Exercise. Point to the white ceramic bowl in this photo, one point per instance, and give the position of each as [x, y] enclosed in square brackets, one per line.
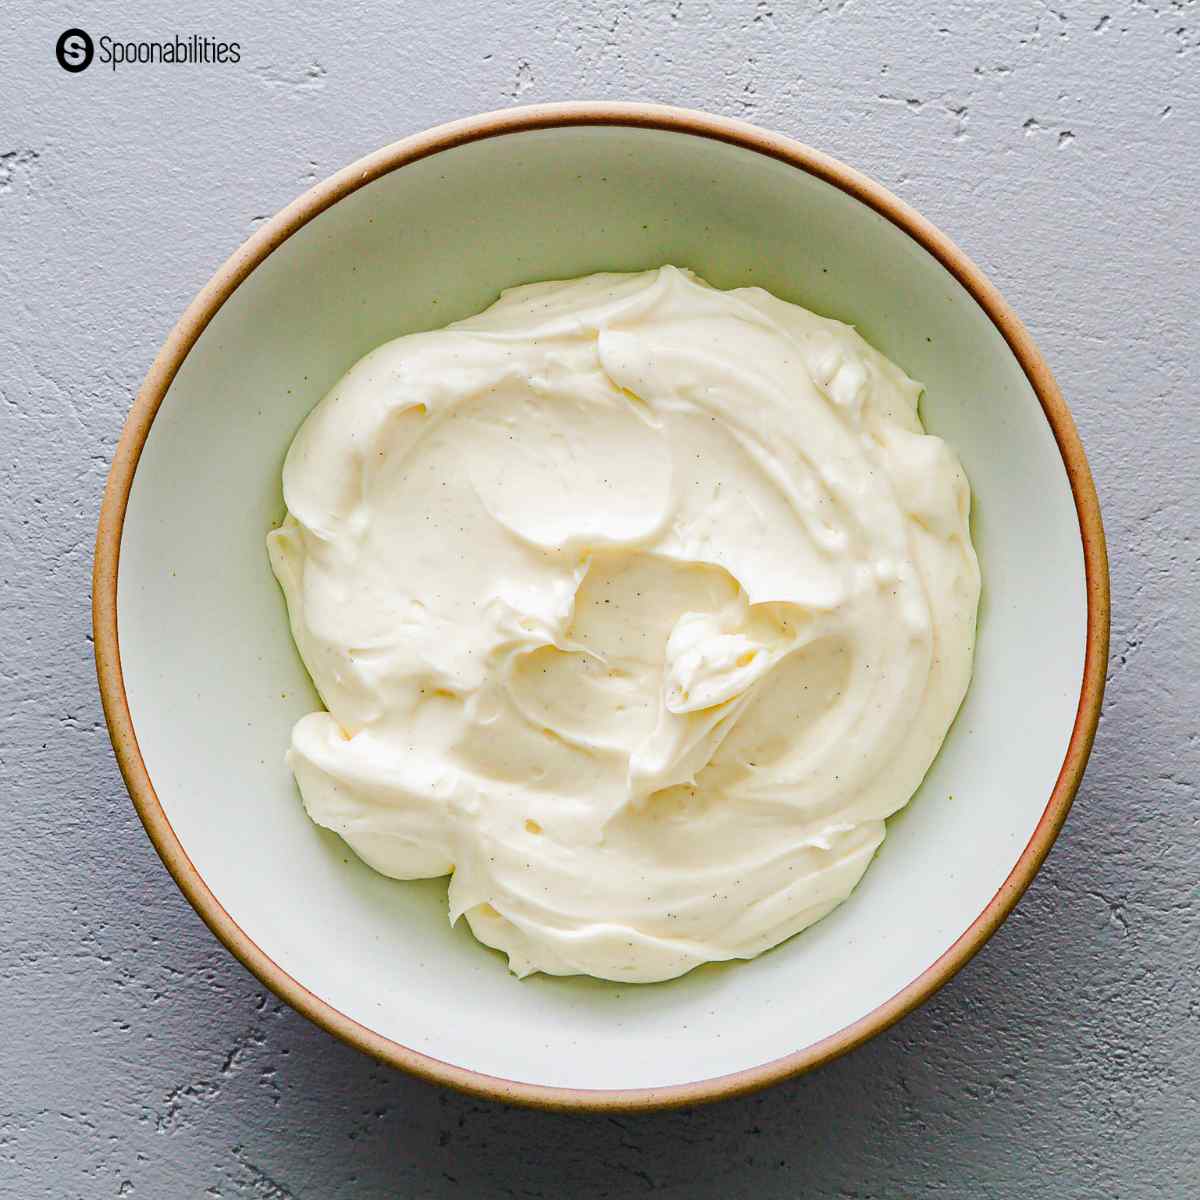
[201, 683]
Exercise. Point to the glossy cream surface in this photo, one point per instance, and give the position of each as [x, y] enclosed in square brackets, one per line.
[636, 607]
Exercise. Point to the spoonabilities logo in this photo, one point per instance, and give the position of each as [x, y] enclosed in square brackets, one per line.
[74, 50]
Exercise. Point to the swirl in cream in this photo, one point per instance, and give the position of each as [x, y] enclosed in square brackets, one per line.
[636, 607]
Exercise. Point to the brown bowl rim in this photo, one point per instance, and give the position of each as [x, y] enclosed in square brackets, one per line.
[516, 120]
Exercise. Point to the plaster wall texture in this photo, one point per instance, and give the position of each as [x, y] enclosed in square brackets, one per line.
[1056, 142]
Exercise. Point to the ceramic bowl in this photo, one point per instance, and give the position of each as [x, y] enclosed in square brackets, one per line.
[201, 682]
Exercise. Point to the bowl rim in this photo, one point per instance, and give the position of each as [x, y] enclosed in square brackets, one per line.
[274, 233]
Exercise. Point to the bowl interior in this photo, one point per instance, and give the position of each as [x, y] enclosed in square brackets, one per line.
[214, 682]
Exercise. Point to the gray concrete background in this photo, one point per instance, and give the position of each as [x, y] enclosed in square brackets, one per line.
[1058, 143]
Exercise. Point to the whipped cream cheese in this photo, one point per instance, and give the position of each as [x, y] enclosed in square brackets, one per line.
[636, 607]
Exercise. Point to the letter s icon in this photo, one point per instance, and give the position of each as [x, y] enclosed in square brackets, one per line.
[74, 50]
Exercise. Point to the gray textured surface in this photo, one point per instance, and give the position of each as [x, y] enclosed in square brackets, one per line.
[1056, 143]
